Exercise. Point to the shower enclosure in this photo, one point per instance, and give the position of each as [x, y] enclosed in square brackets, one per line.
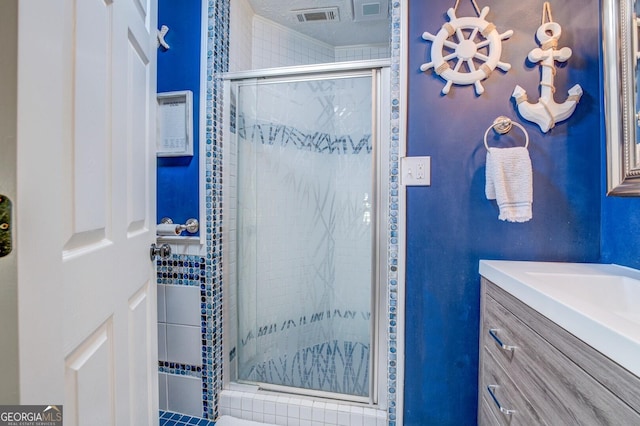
[305, 154]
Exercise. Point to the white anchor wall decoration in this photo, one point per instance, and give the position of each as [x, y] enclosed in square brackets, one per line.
[546, 112]
[467, 50]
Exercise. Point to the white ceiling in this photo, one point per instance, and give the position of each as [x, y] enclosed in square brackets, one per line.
[345, 32]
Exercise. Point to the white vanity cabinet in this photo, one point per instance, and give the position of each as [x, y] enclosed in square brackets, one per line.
[534, 372]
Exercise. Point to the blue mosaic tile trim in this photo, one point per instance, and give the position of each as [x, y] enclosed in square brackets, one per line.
[281, 135]
[394, 188]
[181, 270]
[167, 418]
[180, 369]
[217, 63]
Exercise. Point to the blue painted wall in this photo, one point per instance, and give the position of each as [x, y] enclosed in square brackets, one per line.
[451, 225]
[621, 230]
[179, 69]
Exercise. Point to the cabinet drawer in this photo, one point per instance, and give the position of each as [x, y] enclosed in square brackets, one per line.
[611, 375]
[560, 390]
[500, 391]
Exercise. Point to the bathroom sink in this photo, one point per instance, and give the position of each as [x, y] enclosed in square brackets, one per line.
[598, 303]
[616, 293]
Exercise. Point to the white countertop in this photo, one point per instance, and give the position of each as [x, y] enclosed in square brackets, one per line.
[598, 303]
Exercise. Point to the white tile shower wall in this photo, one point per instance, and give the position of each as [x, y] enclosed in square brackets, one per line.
[184, 344]
[230, 180]
[274, 45]
[184, 395]
[362, 52]
[179, 334]
[183, 305]
[162, 312]
[277, 46]
[179, 321]
[284, 410]
[180, 326]
[162, 388]
[240, 35]
[162, 341]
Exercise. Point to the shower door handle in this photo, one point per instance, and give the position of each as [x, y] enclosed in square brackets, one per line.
[5, 226]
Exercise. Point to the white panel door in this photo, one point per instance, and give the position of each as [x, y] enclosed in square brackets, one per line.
[86, 209]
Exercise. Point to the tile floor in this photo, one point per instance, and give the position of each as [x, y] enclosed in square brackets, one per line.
[167, 418]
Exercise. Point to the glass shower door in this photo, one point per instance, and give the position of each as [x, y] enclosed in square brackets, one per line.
[306, 226]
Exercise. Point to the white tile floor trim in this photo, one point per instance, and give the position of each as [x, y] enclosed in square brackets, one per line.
[232, 421]
[296, 411]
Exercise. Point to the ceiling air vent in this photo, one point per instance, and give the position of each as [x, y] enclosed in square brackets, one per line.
[317, 15]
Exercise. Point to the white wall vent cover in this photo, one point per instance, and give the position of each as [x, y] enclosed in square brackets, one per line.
[370, 10]
[319, 14]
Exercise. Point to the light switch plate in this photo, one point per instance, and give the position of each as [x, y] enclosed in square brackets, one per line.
[416, 171]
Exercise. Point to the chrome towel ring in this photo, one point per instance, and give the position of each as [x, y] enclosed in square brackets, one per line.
[503, 125]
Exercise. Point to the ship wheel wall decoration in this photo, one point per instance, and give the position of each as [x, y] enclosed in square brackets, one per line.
[466, 50]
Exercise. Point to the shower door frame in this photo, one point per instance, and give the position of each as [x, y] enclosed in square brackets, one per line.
[379, 71]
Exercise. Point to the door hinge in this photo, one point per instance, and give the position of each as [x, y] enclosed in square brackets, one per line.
[5, 226]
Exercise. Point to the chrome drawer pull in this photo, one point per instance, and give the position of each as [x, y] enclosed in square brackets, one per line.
[493, 333]
[493, 396]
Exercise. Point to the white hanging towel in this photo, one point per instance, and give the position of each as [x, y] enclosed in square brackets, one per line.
[510, 182]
